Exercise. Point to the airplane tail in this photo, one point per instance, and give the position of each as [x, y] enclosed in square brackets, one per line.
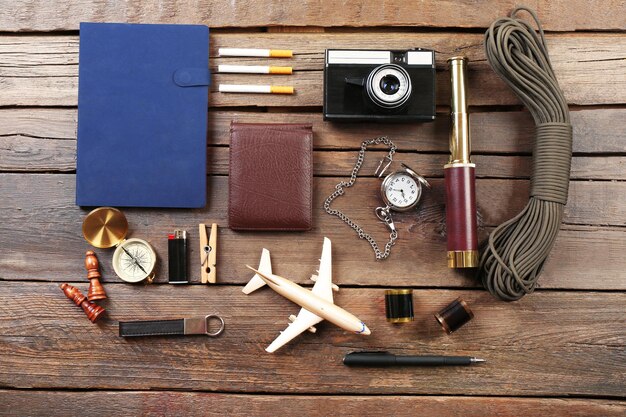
[265, 266]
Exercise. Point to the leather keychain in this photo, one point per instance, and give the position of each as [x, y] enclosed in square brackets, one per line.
[177, 327]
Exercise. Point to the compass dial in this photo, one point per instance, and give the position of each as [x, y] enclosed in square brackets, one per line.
[134, 260]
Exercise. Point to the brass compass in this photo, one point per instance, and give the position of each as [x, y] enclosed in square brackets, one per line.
[134, 259]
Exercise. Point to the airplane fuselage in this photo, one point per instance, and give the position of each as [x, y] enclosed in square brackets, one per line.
[315, 304]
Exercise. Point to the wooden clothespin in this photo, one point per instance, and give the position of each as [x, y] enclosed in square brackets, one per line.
[208, 253]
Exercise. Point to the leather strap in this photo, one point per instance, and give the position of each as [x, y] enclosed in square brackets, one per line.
[178, 327]
[152, 328]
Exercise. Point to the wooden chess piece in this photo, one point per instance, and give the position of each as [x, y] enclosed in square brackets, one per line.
[93, 311]
[96, 290]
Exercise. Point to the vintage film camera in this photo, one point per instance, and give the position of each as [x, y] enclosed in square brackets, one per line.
[379, 85]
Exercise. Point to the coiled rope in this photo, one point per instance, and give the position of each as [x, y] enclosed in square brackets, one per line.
[516, 250]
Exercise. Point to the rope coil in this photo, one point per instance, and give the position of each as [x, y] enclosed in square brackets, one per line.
[517, 249]
[552, 158]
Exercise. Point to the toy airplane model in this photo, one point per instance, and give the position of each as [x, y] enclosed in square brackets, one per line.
[317, 304]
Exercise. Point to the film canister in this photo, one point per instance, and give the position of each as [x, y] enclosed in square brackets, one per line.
[399, 306]
[454, 315]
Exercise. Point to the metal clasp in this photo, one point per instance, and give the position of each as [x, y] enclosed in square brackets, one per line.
[385, 216]
[379, 172]
[201, 325]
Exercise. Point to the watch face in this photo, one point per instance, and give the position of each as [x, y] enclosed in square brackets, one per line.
[401, 190]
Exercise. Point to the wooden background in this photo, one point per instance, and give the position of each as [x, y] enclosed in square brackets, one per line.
[557, 352]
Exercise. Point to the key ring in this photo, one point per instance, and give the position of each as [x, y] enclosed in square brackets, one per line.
[218, 331]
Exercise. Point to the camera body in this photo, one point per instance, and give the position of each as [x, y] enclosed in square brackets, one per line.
[379, 85]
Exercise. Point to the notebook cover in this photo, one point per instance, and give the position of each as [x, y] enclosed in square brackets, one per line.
[142, 115]
[270, 177]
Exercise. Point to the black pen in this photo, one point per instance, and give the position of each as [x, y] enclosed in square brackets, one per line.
[389, 359]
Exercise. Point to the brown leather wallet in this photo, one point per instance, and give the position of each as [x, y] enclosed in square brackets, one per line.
[270, 184]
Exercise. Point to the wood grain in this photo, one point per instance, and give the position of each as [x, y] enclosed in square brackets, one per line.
[24, 154]
[26, 403]
[43, 70]
[553, 343]
[44, 140]
[39, 217]
[502, 132]
[586, 353]
[29, 15]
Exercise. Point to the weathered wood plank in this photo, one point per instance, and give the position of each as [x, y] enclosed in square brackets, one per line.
[38, 70]
[574, 65]
[39, 217]
[430, 165]
[595, 130]
[34, 140]
[27, 15]
[28, 154]
[25, 154]
[45, 336]
[590, 202]
[549, 344]
[25, 403]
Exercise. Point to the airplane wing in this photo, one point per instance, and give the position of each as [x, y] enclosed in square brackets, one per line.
[303, 322]
[324, 282]
[265, 266]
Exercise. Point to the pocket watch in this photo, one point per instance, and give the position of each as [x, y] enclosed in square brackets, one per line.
[402, 190]
[134, 259]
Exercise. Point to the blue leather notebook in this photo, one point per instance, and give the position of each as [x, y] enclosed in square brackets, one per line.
[142, 115]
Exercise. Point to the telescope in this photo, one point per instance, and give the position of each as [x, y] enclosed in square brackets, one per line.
[459, 175]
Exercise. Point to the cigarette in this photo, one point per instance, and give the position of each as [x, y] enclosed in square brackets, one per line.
[254, 69]
[263, 89]
[272, 53]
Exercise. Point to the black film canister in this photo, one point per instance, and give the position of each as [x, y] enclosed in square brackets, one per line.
[399, 306]
[454, 315]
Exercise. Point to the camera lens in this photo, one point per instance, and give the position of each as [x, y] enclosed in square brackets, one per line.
[389, 84]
